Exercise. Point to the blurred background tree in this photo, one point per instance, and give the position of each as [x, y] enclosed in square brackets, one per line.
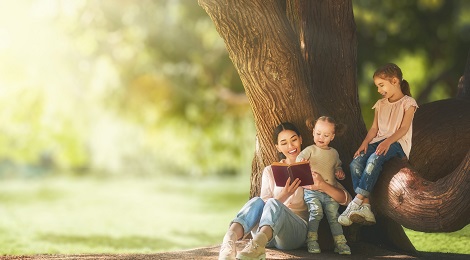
[147, 88]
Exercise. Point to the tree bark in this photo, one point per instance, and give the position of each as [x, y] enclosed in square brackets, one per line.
[297, 59]
[264, 49]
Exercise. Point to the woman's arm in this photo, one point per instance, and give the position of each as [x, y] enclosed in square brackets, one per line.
[340, 195]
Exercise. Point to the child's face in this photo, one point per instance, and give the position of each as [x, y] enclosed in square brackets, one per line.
[388, 88]
[289, 143]
[323, 134]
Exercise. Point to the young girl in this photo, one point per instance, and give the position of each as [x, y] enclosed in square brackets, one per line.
[325, 161]
[389, 136]
[278, 217]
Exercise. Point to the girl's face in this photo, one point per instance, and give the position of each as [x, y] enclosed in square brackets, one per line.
[323, 134]
[389, 88]
[289, 143]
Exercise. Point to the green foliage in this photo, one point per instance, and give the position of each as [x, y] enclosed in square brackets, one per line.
[428, 39]
[126, 89]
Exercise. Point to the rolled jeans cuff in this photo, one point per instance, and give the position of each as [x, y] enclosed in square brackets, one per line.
[362, 192]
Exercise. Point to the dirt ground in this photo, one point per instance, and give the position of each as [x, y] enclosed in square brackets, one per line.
[359, 251]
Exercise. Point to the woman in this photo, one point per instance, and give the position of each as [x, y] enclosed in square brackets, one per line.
[280, 212]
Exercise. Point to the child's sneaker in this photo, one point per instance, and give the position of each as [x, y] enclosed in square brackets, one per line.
[228, 251]
[363, 216]
[312, 244]
[344, 219]
[340, 245]
[255, 249]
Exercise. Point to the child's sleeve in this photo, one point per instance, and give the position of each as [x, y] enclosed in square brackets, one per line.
[410, 102]
[302, 155]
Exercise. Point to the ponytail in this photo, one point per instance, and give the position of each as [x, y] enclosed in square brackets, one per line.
[405, 87]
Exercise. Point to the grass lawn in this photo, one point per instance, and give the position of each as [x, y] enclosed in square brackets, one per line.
[117, 215]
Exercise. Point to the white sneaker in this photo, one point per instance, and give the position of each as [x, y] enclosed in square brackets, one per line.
[228, 251]
[344, 219]
[363, 216]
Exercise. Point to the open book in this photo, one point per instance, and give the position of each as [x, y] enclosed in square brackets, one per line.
[301, 170]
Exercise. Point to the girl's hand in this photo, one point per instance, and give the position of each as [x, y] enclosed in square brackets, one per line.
[362, 148]
[383, 147]
[340, 175]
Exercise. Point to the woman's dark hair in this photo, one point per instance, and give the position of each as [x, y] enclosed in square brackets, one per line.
[390, 70]
[281, 127]
[340, 129]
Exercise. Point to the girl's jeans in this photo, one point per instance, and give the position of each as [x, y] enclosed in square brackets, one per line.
[289, 230]
[319, 202]
[366, 168]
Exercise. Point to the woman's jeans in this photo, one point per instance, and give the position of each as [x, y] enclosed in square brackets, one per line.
[319, 202]
[289, 230]
[366, 168]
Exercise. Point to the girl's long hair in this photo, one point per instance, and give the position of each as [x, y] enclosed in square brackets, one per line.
[390, 70]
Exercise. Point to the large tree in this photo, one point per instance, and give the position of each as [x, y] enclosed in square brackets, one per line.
[297, 59]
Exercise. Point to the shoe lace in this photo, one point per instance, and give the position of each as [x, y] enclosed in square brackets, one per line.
[227, 245]
[251, 244]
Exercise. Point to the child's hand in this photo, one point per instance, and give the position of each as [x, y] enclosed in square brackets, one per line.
[340, 175]
[303, 160]
[362, 148]
[383, 147]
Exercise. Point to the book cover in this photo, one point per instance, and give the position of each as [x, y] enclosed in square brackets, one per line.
[301, 170]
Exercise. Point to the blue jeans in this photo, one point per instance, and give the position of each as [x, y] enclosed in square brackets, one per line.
[366, 168]
[289, 230]
[319, 202]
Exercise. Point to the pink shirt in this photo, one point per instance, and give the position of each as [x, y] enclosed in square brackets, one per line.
[390, 116]
[296, 201]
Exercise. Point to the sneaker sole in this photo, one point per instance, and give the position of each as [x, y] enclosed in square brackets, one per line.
[342, 253]
[261, 257]
[344, 224]
[359, 219]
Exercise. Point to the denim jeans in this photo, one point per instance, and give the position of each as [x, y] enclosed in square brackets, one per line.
[319, 202]
[289, 230]
[366, 168]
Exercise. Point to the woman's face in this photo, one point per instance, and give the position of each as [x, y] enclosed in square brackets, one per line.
[289, 143]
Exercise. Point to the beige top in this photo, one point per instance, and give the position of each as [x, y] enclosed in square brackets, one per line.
[323, 161]
[390, 116]
[296, 201]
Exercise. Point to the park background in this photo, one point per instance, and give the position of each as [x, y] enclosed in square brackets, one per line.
[125, 127]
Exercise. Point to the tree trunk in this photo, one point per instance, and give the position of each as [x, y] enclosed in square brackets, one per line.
[264, 49]
[297, 59]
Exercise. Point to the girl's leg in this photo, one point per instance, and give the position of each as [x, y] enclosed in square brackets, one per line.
[369, 178]
[374, 168]
[315, 209]
[331, 211]
[358, 164]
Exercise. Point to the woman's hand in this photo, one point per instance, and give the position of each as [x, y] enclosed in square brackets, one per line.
[288, 189]
[318, 182]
